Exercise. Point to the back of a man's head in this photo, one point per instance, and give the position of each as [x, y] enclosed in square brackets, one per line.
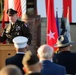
[31, 62]
[10, 70]
[45, 52]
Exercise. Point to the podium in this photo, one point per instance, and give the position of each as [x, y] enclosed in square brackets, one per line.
[6, 50]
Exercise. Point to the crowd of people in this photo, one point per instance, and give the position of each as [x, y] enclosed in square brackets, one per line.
[45, 62]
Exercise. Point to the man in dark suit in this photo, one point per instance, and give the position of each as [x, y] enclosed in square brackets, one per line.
[20, 44]
[45, 53]
[65, 57]
[31, 64]
[15, 28]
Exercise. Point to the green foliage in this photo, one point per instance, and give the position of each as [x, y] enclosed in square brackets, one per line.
[1, 8]
[0, 17]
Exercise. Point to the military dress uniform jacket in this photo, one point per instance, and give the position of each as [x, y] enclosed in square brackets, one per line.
[15, 60]
[66, 59]
[18, 29]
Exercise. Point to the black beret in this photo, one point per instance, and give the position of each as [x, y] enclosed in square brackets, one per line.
[30, 58]
[11, 12]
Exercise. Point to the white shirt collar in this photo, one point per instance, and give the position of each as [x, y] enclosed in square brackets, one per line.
[20, 52]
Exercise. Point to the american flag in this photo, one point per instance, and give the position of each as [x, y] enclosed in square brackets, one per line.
[20, 6]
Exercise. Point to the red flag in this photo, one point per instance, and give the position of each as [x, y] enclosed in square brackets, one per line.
[66, 4]
[5, 9]
[52, 33]
[68, 26]
[19, 5]
[3, 24]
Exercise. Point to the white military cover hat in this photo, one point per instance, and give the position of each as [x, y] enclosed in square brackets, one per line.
[20, 42]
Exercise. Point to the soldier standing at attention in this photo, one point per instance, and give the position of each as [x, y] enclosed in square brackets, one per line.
[15, 28]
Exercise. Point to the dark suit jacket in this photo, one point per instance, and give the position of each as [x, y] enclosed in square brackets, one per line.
[15, 60]
[49, 68]
[66, 59]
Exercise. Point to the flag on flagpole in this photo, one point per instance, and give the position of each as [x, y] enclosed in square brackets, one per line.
[3, 24]
[19, 5]
[63, 28]
[52, 33]
[41, 7]
[5, 8]
[67, 25]
[57, 22]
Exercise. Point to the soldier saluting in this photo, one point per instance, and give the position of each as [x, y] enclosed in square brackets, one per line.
[15, 28]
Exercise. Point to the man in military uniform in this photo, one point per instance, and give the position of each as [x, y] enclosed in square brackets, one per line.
[65, 57]
[21, 47]
[15, 28]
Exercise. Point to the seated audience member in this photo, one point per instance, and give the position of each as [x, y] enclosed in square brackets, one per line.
[20, 44]
[65, 57]
[31, 64]
[10, 70]
[45, 53]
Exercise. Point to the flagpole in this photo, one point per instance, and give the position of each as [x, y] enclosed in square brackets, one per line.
[57, 21]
